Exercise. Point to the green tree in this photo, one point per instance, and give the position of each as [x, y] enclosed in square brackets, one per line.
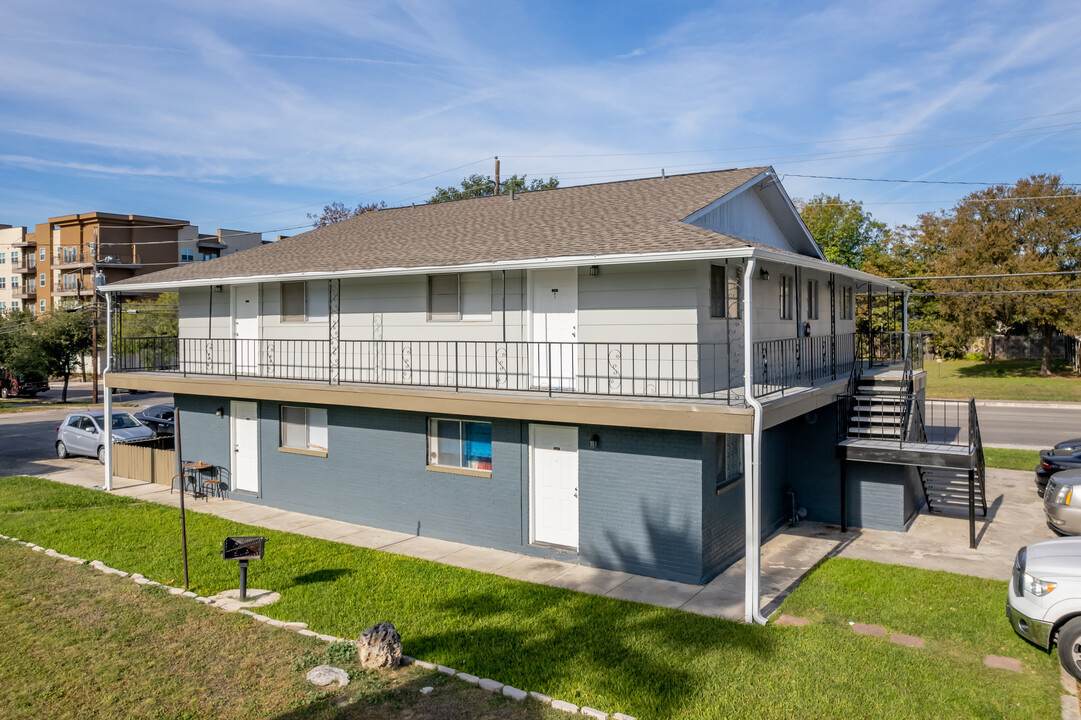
[1032, 226]
[336, 212]
[484, 186]
[842, 228]
[62, 336]
[157, 317]
[20, 351]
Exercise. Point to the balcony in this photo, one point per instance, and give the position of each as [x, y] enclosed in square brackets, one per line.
[23, 267]
[26, 292]
[132, 262]
[699, 372]
[66, 290]
[71, 259]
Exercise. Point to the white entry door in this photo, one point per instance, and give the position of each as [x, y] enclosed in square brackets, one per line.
[245, 432]
[246, 328]
[554, 484]
[555, 323]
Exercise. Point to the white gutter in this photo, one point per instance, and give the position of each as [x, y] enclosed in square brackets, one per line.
[108, 420]
[752, 454]
[531, 263]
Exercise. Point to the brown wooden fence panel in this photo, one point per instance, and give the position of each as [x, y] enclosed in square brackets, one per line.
[144, 463]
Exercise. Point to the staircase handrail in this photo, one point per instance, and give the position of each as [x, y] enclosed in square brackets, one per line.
[907, 398]
[975, 443]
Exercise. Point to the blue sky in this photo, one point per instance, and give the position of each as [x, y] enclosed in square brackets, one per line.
[248, 115]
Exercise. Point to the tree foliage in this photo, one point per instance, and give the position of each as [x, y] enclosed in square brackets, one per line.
[477, 185]
[1032, 226]
[158, 317]
[843, 229]
[50, 344]
[337, 211]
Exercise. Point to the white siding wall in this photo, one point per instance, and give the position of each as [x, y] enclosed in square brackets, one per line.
[745, 216]
[656, 302]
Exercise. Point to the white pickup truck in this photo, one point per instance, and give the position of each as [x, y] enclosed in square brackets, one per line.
[1044, 603]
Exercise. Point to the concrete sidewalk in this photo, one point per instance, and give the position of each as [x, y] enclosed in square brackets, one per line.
[933, 542]
[786, 557]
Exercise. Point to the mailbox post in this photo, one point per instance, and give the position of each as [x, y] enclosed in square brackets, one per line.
[243, 549]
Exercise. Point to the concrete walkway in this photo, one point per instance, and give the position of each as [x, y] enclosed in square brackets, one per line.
[934, 542]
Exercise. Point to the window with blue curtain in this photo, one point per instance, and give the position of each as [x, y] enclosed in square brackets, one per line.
[460, 444]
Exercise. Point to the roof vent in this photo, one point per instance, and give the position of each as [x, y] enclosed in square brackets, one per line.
[512, 193]
[663, 176]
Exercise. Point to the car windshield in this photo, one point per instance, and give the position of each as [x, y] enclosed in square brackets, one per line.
[124, 420]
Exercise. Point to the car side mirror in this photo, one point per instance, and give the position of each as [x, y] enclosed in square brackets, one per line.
[93, 431]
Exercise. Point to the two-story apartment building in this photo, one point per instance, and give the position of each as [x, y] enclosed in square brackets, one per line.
[646, 376]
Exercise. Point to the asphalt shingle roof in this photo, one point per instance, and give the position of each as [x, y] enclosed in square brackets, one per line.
[633, 216]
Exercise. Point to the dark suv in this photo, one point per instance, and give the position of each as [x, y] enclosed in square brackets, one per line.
[1064, 456]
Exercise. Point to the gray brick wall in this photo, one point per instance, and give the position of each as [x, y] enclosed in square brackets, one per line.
[722, 515]
[641, 502]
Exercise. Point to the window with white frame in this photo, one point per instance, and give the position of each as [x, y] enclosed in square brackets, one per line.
[812, 299]
[3, 257]
[3, 282]
[293, 302]
[187, 255]
[459, 444]
[846, 302]
[42, 306]
[42, 254]
[3, 306]
[41, 280]
[304, 428]
[729, 460]
[14, 304]
[786, 288]
[14, 282]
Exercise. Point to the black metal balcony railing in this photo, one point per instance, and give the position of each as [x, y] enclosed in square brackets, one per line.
[24, 266]
[700, 371]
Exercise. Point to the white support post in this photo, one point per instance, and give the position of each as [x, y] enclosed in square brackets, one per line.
[108, 392]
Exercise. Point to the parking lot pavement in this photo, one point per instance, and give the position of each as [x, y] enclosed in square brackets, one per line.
[940, 542]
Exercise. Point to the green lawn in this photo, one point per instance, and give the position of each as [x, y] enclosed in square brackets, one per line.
[1008, 459]
[619, 656]
[1001, 380]
[79, 644]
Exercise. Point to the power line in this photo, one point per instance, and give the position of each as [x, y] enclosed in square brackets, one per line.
[1060, 291]
[998, 275]
[915, 182]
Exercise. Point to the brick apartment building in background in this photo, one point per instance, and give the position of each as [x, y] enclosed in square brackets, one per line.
[63, 260]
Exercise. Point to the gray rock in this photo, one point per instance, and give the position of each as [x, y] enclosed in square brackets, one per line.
[176, 591]
[323, 675]
[296, 626]
[188, 594]
[540, 697]
[380, 646]
[305, 631]
[259, 618]
[446, 670]
[275, 623]
[594, 713]
[621, 716]
[37, 548]
[471, 679]
[140, 580]
[427, 690]
[424, 664]
[564, 706]
[514, 693]
[491, 685]
[327, 638]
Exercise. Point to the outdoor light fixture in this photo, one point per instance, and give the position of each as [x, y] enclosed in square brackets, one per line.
[217, 288]
[594, 270]
[220, 411]
[594, 441]
[764, 274]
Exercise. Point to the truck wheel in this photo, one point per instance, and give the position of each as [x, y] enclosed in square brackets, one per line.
[61, 450]
[1069, 647]
[101, 454]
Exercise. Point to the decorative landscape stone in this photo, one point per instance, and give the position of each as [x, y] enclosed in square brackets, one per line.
[621, 716]
[564, 706]
[424, 664]
[324, 675]
[380, 646]
[594, 713]
[1002, 663]
[427, 690]
[446, 670]
[471, 679]
[863, 629]
[491, 685]
[514, 693]
[540, 697]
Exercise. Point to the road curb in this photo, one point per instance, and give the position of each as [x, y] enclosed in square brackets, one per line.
[1030, 404]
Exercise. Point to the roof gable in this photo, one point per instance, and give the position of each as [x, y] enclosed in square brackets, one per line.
[761, 212]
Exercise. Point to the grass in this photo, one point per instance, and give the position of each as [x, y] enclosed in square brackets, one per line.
[1008, 459]
[1001, 380]
[78, 644]
[646, 661]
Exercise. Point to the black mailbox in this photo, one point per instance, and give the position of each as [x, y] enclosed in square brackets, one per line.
[243, 548]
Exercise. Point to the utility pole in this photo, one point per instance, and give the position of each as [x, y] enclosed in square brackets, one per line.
[496, 174]
[94, 326]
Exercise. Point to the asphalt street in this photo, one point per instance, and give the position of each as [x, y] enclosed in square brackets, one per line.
[1033, 428]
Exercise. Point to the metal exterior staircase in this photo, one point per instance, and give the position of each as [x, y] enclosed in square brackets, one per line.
[947, 489]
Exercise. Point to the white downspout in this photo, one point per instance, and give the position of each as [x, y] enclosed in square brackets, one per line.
[752, 452]
[108, 393]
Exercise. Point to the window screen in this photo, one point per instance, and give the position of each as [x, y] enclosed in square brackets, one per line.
[292, 302]
[460, 444]
[812, 299]
[443, 297]
[786, 297]
[304, 428]
[729, 460]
